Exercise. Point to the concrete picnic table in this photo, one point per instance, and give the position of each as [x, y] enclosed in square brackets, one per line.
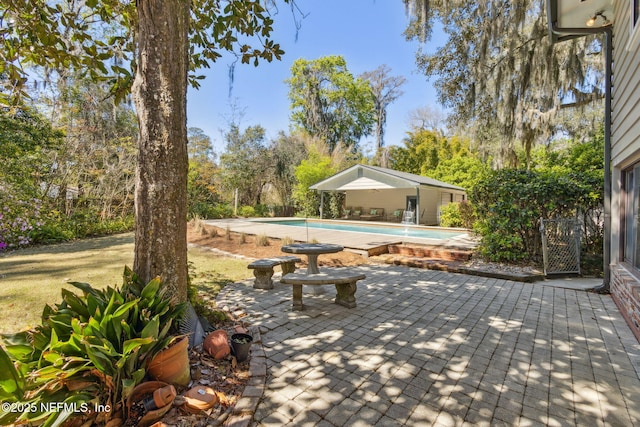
[312, 250]
[345, 284]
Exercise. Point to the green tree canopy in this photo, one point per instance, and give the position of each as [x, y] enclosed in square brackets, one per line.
[310, 171]
[385, 89]
[154, 48]
[199, 145]
[202, 190]
[97, 38]
[421, 152]
[448, 159]
[244, 164]
[501, 76]
[286, 153]
[26, 143]
[329, 103]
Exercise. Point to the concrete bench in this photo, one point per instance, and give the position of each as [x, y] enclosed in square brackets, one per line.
[344, 280]
[263, 269]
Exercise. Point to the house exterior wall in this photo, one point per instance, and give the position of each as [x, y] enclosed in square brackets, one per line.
[431, 200]
[389, 200]
[430, 205]
[625, 153]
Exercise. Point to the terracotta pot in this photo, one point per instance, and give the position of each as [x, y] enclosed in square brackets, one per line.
[172, 364]
[199, 399]
[146, 390]
[217, 344]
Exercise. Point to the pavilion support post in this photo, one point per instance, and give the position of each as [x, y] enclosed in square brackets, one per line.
[321, 204]
[418, 205]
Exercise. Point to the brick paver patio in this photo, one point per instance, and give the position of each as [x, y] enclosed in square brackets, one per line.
[433, 348]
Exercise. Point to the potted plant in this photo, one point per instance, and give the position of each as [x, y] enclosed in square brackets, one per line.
[241, 344]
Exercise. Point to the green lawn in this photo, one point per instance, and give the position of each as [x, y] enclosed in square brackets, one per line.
[33, 277]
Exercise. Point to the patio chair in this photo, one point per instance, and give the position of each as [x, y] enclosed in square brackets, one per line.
[396, 216]
[346, 213]
[356, 213]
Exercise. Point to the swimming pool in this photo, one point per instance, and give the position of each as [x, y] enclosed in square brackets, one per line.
[391, 230]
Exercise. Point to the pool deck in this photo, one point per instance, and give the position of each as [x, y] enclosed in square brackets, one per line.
[353, 241]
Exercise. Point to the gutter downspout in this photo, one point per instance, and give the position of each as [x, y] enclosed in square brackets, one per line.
[606, 254]
[606, 250]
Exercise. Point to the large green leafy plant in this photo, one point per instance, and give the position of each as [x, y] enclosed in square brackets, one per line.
[89, 352]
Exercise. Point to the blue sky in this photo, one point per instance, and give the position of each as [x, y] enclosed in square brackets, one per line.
[368, 33]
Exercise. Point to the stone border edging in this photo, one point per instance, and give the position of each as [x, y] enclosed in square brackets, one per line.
[245, 407]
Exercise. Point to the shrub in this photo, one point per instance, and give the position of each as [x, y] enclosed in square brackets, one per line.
[52, 232]
[209, 211]
[287, 240]
[262, 240]
[197, 225]
[58, 227]
[458, 214]
[247, 211]
[509, 204]
[18, 219]
[91, 228]
[222, 211]
[262, 210]
[467, 214]
[450, 215]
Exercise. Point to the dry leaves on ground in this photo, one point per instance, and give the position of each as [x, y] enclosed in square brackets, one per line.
[225, 376]
[246, 245]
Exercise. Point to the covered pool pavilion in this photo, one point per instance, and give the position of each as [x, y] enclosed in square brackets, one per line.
[387, 190]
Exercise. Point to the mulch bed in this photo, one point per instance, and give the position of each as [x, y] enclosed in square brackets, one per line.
[226, 377]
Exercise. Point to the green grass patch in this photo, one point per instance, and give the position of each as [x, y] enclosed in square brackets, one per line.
[33, 277]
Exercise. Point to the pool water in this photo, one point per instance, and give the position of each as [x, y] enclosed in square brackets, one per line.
[409, 231]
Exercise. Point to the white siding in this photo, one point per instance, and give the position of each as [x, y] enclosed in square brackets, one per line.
[626, 89]
[625, 128]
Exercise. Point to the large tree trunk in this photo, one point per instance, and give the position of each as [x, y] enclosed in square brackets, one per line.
[160, 92]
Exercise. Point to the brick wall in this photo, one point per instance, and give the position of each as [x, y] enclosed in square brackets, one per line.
[625, 290]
